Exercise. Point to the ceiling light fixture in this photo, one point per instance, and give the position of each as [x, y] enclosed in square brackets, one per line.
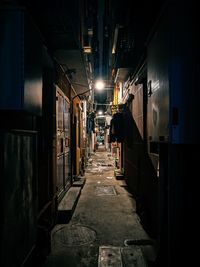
[99, 85]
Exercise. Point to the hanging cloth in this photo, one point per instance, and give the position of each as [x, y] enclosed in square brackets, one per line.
[117, 128]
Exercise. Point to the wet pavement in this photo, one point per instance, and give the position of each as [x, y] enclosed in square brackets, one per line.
[104, 219]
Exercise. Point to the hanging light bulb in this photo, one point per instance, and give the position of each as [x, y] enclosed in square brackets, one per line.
[99, 85]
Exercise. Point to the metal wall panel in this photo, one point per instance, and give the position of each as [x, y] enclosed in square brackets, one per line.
[60, 144]
[63, 142]
[137, 107]
[66, 118]
[158, 85]
[67, 170]
[184, 76]
[172, 65]
[60, 173]
[60, 113]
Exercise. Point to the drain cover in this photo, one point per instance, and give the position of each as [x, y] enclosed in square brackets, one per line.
[120, 257]
[105, 190]
[109, 256]
[74, 235]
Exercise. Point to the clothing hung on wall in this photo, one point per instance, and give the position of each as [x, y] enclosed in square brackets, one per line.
[90, 124]
[117, 128]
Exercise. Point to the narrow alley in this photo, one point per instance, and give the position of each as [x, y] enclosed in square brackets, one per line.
[99, 133]
[104, 220]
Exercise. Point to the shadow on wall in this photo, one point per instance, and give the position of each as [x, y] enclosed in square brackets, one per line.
[140, 175]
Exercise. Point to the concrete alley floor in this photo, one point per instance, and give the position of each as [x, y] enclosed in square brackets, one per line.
[105, 216]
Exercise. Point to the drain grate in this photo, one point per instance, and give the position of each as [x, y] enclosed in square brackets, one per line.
[105, 190]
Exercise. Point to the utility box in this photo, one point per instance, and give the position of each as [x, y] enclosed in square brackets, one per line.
[20, 62]
[172, 68]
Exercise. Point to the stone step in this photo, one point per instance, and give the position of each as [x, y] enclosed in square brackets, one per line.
[119, 175]
[79, 182]
[67, 205]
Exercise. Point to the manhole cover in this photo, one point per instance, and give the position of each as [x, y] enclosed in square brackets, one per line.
[74, 235]
[105, 190]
